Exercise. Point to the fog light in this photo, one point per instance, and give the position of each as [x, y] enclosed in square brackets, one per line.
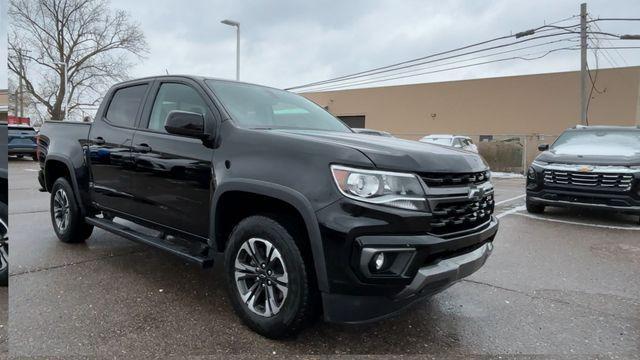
[379, 261]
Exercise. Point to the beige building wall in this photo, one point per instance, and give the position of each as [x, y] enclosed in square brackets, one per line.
[4, 104]
[529, 105]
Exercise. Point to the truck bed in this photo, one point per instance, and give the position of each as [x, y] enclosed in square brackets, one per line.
[62, 137]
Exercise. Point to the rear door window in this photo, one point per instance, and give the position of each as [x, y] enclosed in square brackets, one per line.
[125, 104]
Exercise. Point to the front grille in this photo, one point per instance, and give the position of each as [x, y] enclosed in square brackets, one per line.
[448, 179]
[589, 180]
[453, 217]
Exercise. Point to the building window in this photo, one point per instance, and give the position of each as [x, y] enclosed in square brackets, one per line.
[354, 121]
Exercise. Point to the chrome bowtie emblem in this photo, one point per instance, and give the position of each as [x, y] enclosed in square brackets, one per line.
[585, 168]
[475, 193]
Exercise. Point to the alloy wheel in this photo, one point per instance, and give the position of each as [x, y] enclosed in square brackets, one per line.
[61, 211]
[261, 277]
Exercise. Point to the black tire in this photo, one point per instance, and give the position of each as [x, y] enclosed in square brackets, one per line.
[75, 229]
[534, 208]
[19, 156]
[298, 307]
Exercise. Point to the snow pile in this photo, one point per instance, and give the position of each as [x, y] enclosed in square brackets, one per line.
[505, 175]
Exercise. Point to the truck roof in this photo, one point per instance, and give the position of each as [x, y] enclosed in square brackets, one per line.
[186, 76]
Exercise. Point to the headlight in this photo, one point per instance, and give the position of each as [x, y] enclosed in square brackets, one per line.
[531, 174]
[380, 187]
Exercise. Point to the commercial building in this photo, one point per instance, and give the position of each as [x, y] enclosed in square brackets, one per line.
[4, 105]
[531, 108]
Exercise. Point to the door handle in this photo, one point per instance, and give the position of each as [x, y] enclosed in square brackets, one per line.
[142, 148]
[99, 141]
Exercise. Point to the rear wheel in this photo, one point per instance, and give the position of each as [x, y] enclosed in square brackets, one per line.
[65, 214]
[269, 286]
[534, 208]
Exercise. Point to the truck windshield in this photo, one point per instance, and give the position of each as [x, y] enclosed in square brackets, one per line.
[259, 107]
[598, 142]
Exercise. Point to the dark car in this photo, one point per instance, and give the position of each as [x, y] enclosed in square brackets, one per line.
[588, 167]
[22, 141]
[311, 217]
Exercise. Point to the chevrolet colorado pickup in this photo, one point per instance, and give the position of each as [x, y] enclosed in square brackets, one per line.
[312, 218]
[594, 167]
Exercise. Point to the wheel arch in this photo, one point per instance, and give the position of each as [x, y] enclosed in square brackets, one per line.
[59, 166]
[280, 193]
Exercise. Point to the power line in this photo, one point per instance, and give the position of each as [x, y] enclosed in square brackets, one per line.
[411, 64]
[595, 53]
[593, 86]
[371, 72]
[608, 41]
[452, 62]
[614, 19]
[393, 77]
[362, 73]
[617, 47]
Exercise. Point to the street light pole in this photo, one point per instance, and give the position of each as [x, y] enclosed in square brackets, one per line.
[66, 86]
[237, 26]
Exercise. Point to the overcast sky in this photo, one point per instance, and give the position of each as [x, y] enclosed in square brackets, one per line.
[286, 43]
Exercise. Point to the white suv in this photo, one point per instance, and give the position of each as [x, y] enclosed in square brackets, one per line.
[456, 141]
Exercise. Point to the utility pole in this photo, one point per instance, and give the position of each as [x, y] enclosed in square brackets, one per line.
[583, 64]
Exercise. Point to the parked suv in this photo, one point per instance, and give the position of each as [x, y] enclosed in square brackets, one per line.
[456, 141]
[312, 218]
[22, 141]
[588, 167]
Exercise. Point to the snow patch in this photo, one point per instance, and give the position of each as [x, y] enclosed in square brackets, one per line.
[505, 175]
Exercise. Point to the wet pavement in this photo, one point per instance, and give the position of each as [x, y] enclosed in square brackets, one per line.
[560, 284]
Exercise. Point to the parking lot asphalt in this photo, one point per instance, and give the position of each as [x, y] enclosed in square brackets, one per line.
[560, 284]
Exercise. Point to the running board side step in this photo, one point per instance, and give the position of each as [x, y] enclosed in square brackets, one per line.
[156, 242]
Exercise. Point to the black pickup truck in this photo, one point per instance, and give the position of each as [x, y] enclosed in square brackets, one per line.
[312, 217]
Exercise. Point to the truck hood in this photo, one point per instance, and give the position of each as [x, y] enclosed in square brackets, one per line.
[397, 154]
[589, 159]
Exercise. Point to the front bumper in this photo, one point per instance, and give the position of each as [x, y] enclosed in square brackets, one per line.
[436, 264]
[539, 192]
[622, 204]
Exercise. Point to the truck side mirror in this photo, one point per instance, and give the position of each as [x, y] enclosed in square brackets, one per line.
[185, 123]
[543, 147]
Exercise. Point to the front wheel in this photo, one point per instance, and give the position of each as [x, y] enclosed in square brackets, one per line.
[534, 208]
[65, 214]
[268, 283]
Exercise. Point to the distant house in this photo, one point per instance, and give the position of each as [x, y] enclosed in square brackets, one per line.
[4, 105]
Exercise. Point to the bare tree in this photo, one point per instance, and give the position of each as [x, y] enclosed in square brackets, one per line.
[93, 43]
